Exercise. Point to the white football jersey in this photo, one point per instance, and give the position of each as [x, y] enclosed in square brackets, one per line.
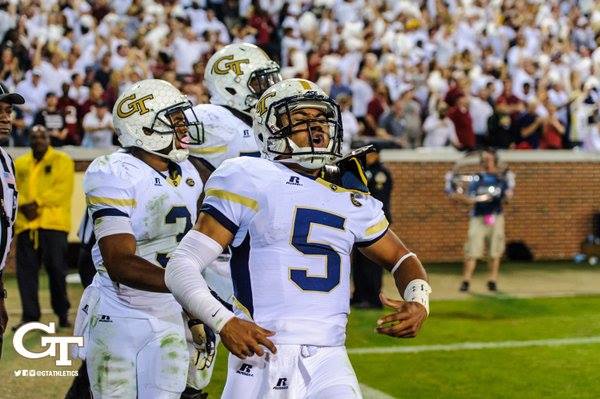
[160, 210]
[225, 135]
[291, 251]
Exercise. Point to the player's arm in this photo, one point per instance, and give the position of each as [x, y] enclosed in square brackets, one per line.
[199, 248]
[125, 267]
[411, 280]
[111, 201]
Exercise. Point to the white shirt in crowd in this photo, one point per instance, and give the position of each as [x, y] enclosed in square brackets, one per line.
[35, 98]
[351, 129]
[187, 53]
[54, 77]
[79, 94]
[480, 112]
[362, 94]
[100, 138]
[438, 132]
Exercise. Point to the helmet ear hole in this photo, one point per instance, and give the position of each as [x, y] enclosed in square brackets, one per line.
[231, 91]
[147, 131]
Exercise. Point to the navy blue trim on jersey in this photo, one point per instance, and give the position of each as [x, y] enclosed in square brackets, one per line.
[107, 212]
[224, 220]
[240, 274]
[218, 298]
[371, 242]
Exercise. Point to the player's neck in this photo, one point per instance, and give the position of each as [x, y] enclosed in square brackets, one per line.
[302, 170]
[156, 162]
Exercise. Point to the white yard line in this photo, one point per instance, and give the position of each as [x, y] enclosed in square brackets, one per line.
[475, 346]
[372, 393]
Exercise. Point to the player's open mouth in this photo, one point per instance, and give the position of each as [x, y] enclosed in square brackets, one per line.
[318, 140]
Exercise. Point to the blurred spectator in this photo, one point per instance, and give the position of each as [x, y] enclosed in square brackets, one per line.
[480, 111]
[45, 181]
[77, 90]
[553, 130]
[52, 120]
[69, 109]
[412, 118]
[96, 94]
[349, 122]
[362, 93]
[501, 133]
[463, 123]
[53, 72]
[439, 129]
[517, 50]
[507, 102]
[338, 87]
[98, 127]
[394, 124]
[530, 126]
[34, 91]
[375, 109]
[10, 70]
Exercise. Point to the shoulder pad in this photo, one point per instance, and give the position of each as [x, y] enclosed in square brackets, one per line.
[348, 172]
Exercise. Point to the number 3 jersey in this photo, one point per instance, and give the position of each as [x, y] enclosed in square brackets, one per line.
[293, 235]
[158, 208]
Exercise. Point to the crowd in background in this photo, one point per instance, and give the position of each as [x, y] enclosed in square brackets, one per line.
[518, 74]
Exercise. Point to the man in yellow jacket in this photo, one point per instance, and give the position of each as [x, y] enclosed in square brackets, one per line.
[45, 181]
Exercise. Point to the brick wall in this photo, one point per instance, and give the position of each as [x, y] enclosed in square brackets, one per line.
[555, 197]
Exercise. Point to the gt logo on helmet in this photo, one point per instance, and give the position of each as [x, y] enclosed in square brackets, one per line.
[229, 66]
[261, 105]
[138, 106]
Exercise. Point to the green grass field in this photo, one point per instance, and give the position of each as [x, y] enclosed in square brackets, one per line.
[552, 369]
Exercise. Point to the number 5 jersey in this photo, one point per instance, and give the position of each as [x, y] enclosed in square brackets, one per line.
[291, 251]
[157, 207]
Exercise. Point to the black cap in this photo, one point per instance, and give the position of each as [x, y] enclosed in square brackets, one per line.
[8, 97]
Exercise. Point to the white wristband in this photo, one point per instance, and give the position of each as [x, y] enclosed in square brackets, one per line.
[418, 290]
[402, 259]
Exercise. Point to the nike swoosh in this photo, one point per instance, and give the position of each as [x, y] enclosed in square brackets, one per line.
[213, 315]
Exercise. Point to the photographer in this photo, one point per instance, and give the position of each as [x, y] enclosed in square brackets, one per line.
[488, 190]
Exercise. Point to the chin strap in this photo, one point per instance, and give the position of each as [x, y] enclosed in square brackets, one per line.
[175, 155]
[315, 160]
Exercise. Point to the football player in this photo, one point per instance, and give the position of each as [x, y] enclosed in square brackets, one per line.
[236, 76]
[142, 200]
[292, 232]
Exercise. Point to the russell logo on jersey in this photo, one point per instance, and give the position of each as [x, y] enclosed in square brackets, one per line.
[245, 369]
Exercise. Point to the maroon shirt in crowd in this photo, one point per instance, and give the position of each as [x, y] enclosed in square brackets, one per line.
[461, 117]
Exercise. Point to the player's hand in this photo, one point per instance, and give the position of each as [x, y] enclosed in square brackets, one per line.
[405, 322]
[244, 338]
[3, 317]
